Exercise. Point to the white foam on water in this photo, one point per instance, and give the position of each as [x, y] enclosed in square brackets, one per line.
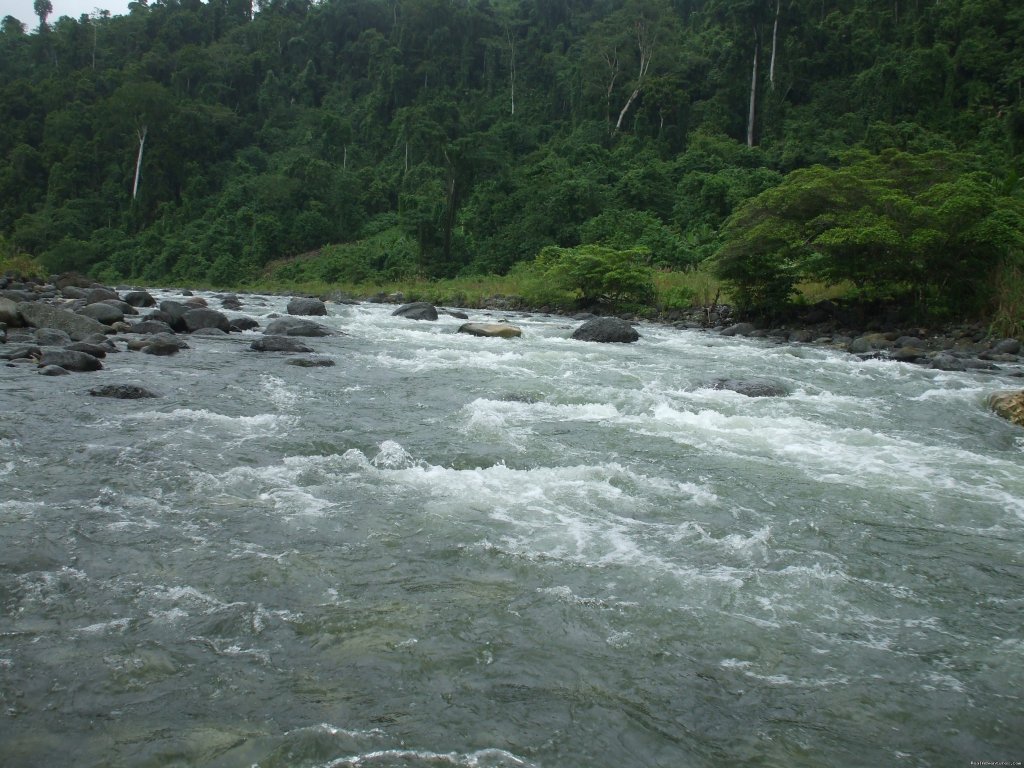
[189, 597]
[590, 515]
[484, 758]
[277, 391]
[188, 419]
[115, 625]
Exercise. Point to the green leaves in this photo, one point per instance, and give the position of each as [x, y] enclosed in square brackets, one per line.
[896, 226]
[599, 274]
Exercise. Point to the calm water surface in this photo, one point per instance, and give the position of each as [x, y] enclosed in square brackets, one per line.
[454, 551]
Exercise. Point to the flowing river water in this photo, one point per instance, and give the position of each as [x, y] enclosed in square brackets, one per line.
[456, 551]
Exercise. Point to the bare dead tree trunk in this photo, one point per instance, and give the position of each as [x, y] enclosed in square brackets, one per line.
[512, 69]
[645, 46]
[775, 40]
[752, 112]
[141, 133]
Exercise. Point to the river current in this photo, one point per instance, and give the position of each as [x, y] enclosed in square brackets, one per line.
[459, 551]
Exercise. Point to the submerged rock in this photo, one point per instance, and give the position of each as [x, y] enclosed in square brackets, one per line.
[279, 344]
[296, 326]
[606, 329]
[311, 362]
[122, 391]
[751, 387]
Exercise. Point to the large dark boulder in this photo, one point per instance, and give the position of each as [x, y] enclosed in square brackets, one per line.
[205, 318]
[606, 329]
[51, 337]
[9, 314]
[244, 324]
[122, 391]
[96, 350]
[417, 310]
[294, 326]
[151, 326]
[173, 313]
[70, 360]
[161, 345]
[105, 313]
[98, 293]
[279, 344]
[140, 299]
[306, 306]
[40, 315]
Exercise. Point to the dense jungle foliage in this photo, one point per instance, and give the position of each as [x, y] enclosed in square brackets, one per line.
[871, 144]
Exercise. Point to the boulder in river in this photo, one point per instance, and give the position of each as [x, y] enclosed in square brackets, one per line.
[606, 329]
[9, 313]
[40, 315]
[122, 391]
[244, 324]
[151, 327]
[70, 360]
[161, 345]
[140, 299]
[1008, 404]
[173, 313]
[739, 329]
[295, 326]
[417, 310]
[499, 330]
[311, 362]
[53, 370]
[750, 387]
[51, 337]
[202, 317]
[302, 305]
[103, 312]
[279, 344]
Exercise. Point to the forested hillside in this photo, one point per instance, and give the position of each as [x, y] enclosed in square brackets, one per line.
[877, 142]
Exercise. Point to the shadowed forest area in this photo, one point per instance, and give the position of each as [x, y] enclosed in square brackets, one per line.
[871, 145]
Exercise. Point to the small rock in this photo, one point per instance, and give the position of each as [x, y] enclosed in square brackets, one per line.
[151, 327]
[311, 362]
[53, 370]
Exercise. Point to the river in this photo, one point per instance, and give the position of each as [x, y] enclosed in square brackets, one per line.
[459, 551]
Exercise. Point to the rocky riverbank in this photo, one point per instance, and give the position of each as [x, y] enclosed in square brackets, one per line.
[70, 324]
